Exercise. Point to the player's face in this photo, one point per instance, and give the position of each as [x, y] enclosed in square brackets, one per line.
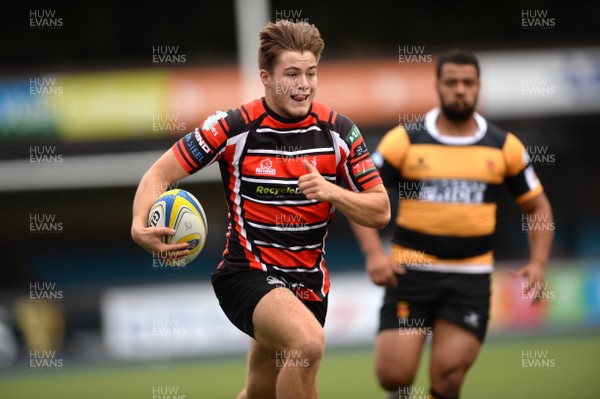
[458, 88]
[291, 87]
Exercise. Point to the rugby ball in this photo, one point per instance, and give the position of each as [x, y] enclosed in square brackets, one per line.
[179, 210]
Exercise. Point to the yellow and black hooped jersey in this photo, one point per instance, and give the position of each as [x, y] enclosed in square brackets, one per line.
[448, 188]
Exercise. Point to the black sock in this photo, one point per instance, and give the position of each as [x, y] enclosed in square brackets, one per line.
[435, 395]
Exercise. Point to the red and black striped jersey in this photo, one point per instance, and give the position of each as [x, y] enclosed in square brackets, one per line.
[448, 188]
[272, 225]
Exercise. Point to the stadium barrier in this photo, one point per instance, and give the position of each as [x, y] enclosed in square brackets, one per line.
[181, 320]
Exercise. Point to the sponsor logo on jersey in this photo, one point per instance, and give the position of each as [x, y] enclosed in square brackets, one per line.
[471, 319]
[201, 141]
[353, 135]
[277, 190]
[363, 167]
[360, 149]
[266, 167]
[454, 191]
[210, 123]
[274, 280]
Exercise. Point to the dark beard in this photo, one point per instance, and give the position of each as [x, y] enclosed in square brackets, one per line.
[457, 115]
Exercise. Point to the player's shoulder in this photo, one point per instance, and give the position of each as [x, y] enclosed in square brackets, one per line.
[503, 139]
[398, 131]
[324, 114]
[339, 123]
[495, 136]
[511, 146]
[252, 111]
[394, 143]
[234, 121]
[398, 135]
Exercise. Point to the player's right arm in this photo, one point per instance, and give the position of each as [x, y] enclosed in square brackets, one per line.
[162, 173]
[378, 262]
[388, 158]
[191, 153]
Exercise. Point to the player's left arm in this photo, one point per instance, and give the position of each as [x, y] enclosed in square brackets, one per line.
[539, 222]
[369, 208]
[540, 232]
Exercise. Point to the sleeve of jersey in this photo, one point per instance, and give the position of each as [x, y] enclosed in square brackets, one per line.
[202, 147]
[521, 179]
[389, 155]
[358, 170]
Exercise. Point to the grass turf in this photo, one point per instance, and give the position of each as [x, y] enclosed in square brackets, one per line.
[558, 368]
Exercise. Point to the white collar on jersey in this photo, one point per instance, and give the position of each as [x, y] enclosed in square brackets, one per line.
[431, 118]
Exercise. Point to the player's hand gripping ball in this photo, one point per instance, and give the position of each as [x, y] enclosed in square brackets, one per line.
[179, 210]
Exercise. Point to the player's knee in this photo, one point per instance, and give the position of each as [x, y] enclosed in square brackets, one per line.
[308, 345]
[452, 378]
[391, 379]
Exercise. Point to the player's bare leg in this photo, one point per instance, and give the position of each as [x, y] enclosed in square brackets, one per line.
[453, 352]
[262, 372]
[397, 358]
[291, 334]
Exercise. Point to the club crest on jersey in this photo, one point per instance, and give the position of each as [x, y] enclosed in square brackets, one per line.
[266, 167]
[402, 310]
[420, 166]
[210, 122]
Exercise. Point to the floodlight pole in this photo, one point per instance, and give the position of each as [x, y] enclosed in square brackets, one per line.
[251, 16]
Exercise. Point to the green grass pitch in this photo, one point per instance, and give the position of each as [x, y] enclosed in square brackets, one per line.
[565, 367]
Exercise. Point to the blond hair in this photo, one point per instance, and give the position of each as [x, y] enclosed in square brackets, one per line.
[287, 35]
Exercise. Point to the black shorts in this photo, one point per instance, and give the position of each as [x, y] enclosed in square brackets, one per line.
[423, 296]
[239, 291]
